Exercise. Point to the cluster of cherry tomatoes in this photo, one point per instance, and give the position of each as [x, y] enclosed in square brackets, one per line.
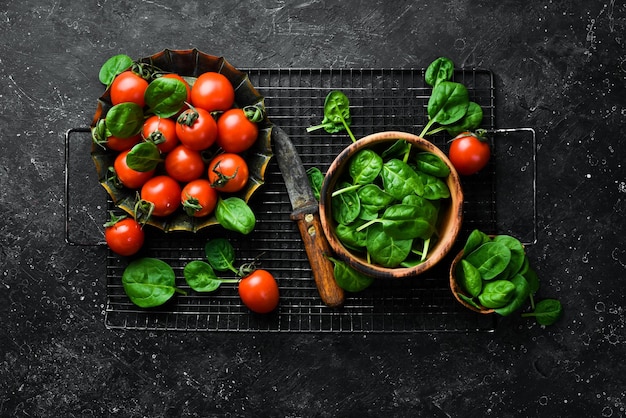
[193, 156]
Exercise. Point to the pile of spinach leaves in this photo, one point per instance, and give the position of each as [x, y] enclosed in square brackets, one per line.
[495, 273]
[388, 209]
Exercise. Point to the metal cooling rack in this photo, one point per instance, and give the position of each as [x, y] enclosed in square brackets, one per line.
[381, 99]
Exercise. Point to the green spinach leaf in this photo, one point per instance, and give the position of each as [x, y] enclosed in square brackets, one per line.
[115, 65]
[149, 282]
[336, 115]
[144, 156]
[429, 163]
[439, 70]
[547, 311]
[345, 207]
[365, 166]
[490, 259]
[475, 240]
[221, 254]
[496, 294]
[385, 250]
[124, 120]
[165, 96]
[469, 278]
[349, 279]
[316, 178]
[400, 180]
[234, 214]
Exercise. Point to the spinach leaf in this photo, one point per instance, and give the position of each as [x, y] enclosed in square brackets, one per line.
[402, 221]
[533, 280]
[349, 279]
[475, 240]
[115, 65]
[365, 166]
[517, 254]
[234, 214]
[429, 163]
[439, 70]
[124, 120]
[336, 115]
[165, 96]
[316, 178]
[200, 276]
[396, 150]
[351, 236]
[345, 207]
[149, 282]
[496, 294]
[144, 156]
[470, 122]
[373, 200]
[522, 291]
[448, 103]
[434, 187]
[385, 250]
[547, 311]
[221, 254]
[399, 179]
[469, 278]
[490, 259]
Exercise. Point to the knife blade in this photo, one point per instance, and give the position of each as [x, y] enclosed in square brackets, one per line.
[306, 215]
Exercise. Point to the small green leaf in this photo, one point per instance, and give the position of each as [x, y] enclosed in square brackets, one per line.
[234, 214]
[200, 276]
[546, 312]
[220, 254]
[125, 120]
[143, 157]
[448, 102]
[165, 96]
[439, 70]
[350, 279]
[115, 65]
[149, 282]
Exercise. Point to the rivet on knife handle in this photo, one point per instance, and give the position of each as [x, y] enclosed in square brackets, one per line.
[318, 250]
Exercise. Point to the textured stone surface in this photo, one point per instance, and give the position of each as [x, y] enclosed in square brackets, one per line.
[559, 66]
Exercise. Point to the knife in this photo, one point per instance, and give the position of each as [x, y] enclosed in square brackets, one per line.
[306, 215]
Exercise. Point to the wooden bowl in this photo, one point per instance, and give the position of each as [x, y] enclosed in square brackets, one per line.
[450, 218]
[189, 63]
[456, 289]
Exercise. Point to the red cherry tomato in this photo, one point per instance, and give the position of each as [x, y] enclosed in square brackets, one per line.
[212, 91]
[130, 178]
[199, 198]
[184, 164]
[469, 153]
[196, 129]
[164, 193]
[235, 132]
[228, 172]
[124, 236]
[128, 87]
[259, 291]
[161, 131]
[122, 144]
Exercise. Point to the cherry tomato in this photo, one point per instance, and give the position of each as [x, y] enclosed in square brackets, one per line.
[130, 178]
[184, 164]
[161, 131]
[235, 132]
[228, 172]
[212, 91]
[128, 87]
[469, 153]
[164, 193]
[196, 129]
[259, 291]
[122, 144]
[199, 198]
[124, 236]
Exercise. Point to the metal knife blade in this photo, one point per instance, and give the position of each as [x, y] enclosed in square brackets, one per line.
[306, 215]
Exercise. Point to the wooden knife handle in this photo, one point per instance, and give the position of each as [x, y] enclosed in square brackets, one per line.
[318, 250]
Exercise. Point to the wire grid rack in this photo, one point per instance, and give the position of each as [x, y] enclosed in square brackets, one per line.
[380, 99]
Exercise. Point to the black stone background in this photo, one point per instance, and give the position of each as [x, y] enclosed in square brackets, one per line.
[560, 67]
